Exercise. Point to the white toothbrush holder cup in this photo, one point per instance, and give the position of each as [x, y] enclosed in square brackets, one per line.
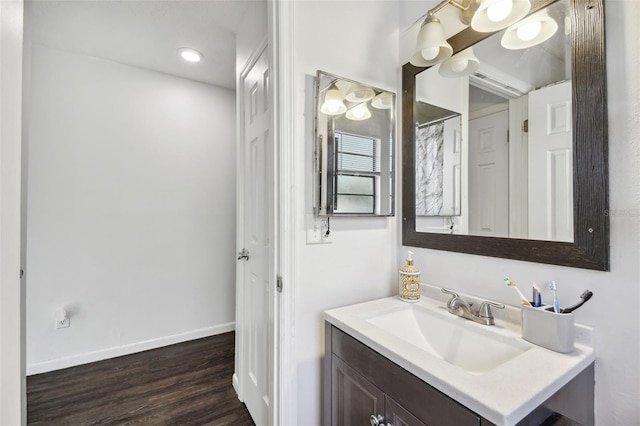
[548, 329]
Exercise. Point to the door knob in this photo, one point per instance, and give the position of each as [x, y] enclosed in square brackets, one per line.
[244, 254]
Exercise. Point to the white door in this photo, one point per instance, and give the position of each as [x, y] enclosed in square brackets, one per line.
[451, 167]
[254, 322]
[489, 175]
[12, 348]
[550, 164]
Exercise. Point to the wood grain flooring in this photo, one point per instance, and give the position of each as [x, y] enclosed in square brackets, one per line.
[184, 384]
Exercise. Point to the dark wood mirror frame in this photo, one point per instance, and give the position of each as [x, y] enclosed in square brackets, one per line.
[590, 248]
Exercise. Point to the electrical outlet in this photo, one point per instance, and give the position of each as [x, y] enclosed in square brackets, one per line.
[63, 323]
[317, 230]
[62, 319]
[325, 231]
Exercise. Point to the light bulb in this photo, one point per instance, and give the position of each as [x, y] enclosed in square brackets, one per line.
[430, 53]
[529, 31]
[332, 106]
[459, 65]
[499, 10]
[359, 112]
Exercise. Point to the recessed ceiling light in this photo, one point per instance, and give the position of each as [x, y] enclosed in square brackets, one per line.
[190, 55]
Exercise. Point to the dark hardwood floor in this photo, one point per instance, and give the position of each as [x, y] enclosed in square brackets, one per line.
[184, 384]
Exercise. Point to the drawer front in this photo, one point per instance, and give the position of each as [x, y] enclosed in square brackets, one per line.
[354, 399]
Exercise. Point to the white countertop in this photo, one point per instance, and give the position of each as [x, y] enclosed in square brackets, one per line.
[503, 395]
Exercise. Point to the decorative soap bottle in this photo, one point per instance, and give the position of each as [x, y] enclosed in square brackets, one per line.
[409, 281]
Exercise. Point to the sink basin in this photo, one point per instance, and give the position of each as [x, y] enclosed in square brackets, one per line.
[455, 340]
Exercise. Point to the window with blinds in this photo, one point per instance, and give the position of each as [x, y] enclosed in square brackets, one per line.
[357, 162]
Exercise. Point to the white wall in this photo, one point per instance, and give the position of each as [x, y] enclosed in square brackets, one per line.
[451, 94]
[613, 310]
[357, 40]
[251, 32]
[131, 209]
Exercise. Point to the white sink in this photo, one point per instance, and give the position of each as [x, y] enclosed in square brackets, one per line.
[453, 339]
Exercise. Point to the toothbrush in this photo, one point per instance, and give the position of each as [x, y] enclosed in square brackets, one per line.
[523, 299]
[556, 304]
[537, 297]
[584, 296]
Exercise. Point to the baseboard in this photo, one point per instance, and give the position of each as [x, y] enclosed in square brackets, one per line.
[86, 358]
[236, 386]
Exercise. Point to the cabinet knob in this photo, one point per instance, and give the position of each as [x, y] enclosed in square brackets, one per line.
[376, 420]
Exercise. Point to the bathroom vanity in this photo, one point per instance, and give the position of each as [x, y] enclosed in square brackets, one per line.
[388, 362]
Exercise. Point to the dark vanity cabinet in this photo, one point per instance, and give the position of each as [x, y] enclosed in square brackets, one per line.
[360, 383]
[355, 399]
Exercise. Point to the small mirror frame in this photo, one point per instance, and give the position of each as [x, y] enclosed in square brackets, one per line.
[318, 170]
[590, 249]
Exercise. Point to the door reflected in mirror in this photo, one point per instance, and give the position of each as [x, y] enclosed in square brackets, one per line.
[513, 177]
[354, 151]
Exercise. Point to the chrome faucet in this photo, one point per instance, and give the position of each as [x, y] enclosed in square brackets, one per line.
[483, 315]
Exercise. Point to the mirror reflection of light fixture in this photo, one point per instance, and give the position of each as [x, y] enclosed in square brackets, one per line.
[431, 47]
[382, 101]
[333, 104]
[460, 64]
[359, 93]
[494, 15]
[533, 30]
[359, 112]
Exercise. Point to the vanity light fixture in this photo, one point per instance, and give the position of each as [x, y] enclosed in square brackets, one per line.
[359, 112]
[358, 93]
[460, 64]
[533, 30]
[431, 47]
[190, 55]
[482, 15]
[383, 100]
[333, 103]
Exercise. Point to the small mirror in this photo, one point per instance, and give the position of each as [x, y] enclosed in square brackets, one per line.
[354, 151]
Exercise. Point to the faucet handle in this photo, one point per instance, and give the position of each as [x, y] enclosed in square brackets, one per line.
[453, 294]
[485, 309]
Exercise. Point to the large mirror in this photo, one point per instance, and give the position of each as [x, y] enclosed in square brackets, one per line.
[532, 179]
[516, 111]
[354, 150]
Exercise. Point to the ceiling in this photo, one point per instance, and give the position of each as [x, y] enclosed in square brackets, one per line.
[146, 33]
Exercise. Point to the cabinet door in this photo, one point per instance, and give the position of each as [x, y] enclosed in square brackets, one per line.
[396, 415]
[353, 398]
